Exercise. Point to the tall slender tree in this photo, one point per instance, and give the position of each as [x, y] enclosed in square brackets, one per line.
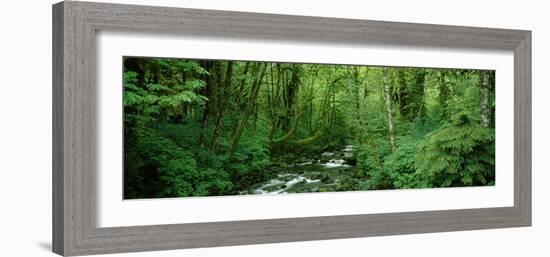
[484, 80]
[389, 115]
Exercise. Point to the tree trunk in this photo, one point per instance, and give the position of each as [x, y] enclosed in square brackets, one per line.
[250, 108]
[282, 142]
[362, 104]
[292, 88]
[221, 104]
[400, 95]
[290, 133]
[444, 95]
[420, 78]
[333, 110]
[310, 107]
[353, 95]
[269, 92]
[275, 101]
[484, 85]
[239, 96]
[207, 92]
[387, 95]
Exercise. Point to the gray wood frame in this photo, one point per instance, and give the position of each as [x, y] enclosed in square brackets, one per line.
[74, 113]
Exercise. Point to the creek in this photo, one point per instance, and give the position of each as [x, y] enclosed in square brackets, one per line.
[327, 172]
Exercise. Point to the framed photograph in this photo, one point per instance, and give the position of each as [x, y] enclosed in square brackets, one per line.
[182, 128]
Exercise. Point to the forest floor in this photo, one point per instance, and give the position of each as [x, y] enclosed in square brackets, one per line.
[326, 172]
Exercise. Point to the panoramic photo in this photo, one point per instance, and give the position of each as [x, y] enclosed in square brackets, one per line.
[217, 127]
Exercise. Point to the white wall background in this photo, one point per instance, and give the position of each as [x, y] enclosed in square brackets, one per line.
[25, 128]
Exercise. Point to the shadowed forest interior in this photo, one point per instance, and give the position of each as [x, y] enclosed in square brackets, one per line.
[211, 128]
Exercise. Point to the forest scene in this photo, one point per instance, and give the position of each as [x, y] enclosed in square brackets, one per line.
[213, 128]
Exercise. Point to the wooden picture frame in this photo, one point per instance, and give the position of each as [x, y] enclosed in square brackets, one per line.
[74, 130]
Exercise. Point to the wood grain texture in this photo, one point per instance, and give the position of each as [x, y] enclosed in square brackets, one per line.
[522, 128]
[74, 124]
[58, 192]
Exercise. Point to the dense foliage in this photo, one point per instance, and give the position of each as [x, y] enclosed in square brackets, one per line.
[202, 128]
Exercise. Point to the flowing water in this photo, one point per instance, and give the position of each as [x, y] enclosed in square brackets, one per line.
[324, 173]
